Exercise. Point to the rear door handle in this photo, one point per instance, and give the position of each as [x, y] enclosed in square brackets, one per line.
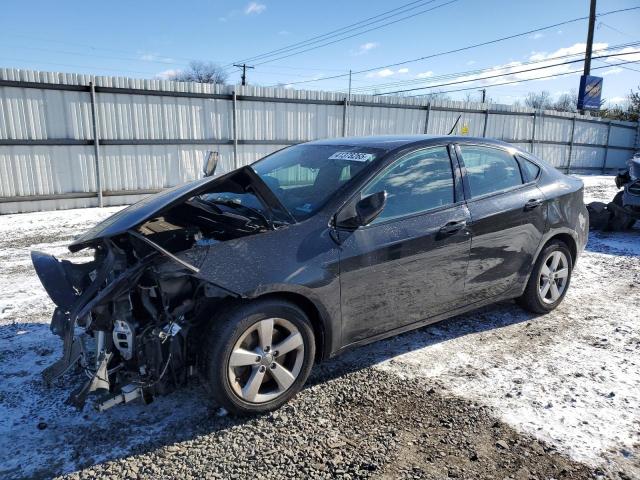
[533, 203]
[453, 227]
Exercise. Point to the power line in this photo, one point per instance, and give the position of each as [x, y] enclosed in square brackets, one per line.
[341, 31]
[360, 33]
[461, 49]
[568, 62]
[483, 70]
[626, 68]
[526, 79]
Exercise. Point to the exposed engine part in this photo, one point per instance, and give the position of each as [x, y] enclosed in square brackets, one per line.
[123, 338]
[128, 393]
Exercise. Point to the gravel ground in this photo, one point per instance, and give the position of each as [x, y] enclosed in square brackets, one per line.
[494, 394]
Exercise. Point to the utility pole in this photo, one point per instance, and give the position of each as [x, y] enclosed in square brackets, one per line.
[587, 56]
[592, 22]
[244, 67]
[484, 95]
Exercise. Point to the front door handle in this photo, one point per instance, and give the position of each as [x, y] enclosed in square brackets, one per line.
[453, 227]
[533, 203]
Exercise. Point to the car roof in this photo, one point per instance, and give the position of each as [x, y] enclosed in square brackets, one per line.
[393, 142]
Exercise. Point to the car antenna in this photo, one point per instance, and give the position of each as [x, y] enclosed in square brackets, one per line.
[454, 125]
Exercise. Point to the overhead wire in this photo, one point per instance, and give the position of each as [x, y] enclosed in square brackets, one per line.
[445, 76]
[460, 49]
[339, 31]
[524, 80]
[568, 62]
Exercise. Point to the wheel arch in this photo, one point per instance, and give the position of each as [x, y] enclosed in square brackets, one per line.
[317, 315]
[567, 237]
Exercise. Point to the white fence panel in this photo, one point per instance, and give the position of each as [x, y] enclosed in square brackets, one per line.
[153, 133]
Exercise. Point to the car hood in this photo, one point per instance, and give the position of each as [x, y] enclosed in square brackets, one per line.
[237, 181]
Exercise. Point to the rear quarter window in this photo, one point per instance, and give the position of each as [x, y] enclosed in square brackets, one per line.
[530, 169]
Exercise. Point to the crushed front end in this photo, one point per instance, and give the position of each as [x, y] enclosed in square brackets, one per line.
[125, 319]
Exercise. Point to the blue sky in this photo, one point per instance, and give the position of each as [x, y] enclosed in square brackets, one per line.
[148, 38]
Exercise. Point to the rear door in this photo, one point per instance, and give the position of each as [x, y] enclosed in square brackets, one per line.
[508, 217]
[408, 264]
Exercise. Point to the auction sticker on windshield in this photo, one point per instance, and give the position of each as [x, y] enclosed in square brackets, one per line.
[352, 156]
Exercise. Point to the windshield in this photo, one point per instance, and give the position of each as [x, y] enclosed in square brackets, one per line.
[304, 177]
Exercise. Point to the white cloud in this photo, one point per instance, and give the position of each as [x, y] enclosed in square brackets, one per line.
[471, 62]
[154, 57]
[366, 48]
[616, 100]
[537, 36]
[387, 72]
[381, 73]
[425, 74]
[612, 71]
[255, 8]
[167, 74]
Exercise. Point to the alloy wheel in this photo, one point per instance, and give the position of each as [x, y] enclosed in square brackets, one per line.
[266, 360]
[554, 276]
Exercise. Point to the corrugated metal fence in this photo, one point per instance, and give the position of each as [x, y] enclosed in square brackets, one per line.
[66, 137]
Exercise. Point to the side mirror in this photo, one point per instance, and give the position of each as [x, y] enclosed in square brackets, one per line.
[210, 163]
[365, 211]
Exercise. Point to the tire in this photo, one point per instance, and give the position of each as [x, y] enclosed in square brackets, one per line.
[536, 298]
[246, 386]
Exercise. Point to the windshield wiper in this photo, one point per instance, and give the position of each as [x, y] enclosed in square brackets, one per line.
[230, 203]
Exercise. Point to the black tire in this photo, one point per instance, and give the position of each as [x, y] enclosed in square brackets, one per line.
[531, 299]
[619, 221]
[229, 329]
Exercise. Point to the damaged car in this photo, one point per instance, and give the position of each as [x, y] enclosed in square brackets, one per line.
[246, 279]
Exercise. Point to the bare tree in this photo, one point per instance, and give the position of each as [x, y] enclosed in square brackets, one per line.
[538, 100]
[431, 96]
[567, 102]
[634, 103]
[201, 72]
[628, 110]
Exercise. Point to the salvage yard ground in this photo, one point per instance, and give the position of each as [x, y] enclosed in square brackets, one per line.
[493, 394]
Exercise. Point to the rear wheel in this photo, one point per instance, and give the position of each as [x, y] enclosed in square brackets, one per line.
[259, 356]
[549, 279]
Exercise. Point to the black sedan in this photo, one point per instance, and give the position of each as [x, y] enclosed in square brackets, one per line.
[247, 279]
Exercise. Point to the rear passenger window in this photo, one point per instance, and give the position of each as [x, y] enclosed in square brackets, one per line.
[420, 181]
[531, 170]
[490, 169]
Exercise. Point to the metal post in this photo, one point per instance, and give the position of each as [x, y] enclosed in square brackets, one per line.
[573, 130]
[347, 117]
[235, 130]
[606, 148]
[344, 118]
[426, 120]
[96, 143]
[533, 133]
[486, 121]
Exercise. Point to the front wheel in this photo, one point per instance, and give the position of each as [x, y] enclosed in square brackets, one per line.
[549, 279]
[259, 356]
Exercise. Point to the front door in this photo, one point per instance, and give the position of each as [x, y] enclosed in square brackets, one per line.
[409, 264]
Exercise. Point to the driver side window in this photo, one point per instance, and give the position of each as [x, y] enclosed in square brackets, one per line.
[420, 181]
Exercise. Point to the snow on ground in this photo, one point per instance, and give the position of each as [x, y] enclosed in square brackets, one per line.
[571, 377]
